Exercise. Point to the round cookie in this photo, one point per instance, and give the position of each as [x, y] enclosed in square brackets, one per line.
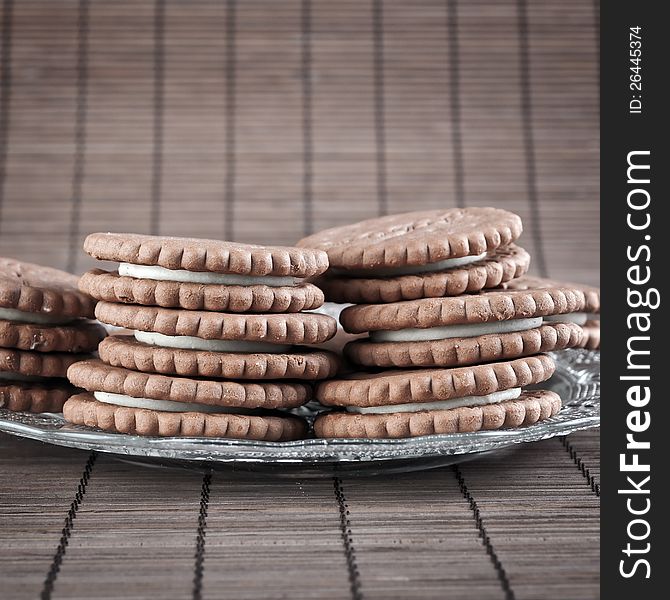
[83, 409]
[284, 328]
[469, 309]
[431, 385]
[34, 397]
[113, 287]
[96, 376]
[591, 339]
[528, 282]
[79, 337]
[453, 352]
[213, 256]
[301, 363]
[41, 294]
[35, 364]
[529, 408]
[416, 238]
[498, 267]
[585, 317]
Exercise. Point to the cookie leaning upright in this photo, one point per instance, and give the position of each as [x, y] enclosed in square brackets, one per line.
[421, 255]
[43, 330]
[196, 308]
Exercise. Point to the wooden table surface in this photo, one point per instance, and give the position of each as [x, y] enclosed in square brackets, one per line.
[263, 121]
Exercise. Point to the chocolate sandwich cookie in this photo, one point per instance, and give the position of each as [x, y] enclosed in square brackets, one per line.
[409, 403]
[198, 274]
[78, 337]
[301, 363]
[218, 332]
[31, 293]
[420, 254]
[591, 338]
[462, 330]
[588, 317]
[494, 269]
[97, 377]
[189, 295]
[41, 309]
[35, 381]
[529, 282]
[24, 365]
[47, 396]
[44, 328]
[84, 409]
[150, 404]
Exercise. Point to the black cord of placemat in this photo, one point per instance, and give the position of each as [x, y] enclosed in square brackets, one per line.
[57, 561]
[5, 92]
[579, 463]
[307, 141]
[528, 137]
[79, 132]
[230, 93]
[454, 94]
[380, 119]
[486, 540]
[158, 109]
[347, 540]
[200, 537]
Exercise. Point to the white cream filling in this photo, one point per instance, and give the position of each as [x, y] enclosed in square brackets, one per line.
[442, 265]
[187, 342]
[455, 331]
[165, 405]
[163, 274]
[578, 317]
[492, 398]
[19, 377]
[11, 314]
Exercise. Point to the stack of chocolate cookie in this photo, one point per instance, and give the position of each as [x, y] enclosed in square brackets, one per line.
[215, 344]
[445, 353]
[43, 330]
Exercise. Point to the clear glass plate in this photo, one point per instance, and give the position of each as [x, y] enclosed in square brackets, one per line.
[577, 381]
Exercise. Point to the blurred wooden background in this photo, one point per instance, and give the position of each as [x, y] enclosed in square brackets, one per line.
[263, 121]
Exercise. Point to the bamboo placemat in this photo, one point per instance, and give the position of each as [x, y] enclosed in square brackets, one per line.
[519, 524]
[263, 121]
